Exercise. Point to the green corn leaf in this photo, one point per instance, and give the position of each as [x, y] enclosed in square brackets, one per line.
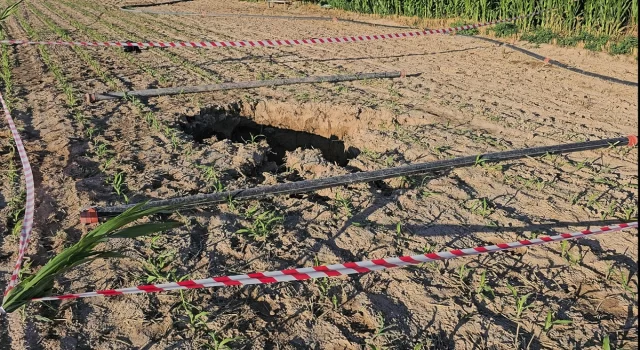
[606, 343]
[145, 229]
[9, 10]
[41, 283]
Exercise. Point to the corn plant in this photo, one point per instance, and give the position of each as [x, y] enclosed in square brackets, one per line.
[600, 17]
[484, 289]
[9, 10]
[84, 251]
[549, 322]
[117, 183]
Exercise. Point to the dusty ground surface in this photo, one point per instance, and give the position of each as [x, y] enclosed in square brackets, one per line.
[470, 97]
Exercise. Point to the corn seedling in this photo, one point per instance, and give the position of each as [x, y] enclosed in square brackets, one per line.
[606, 343]
[197, 318]
[629, 212]
[41, 283]
[379, 333]
[218, 343]
[463, 274]
[566, 253]
[520, 307]
[101, 150]
[549, 322]
[483, 287]
[117, 183]
[625, 281]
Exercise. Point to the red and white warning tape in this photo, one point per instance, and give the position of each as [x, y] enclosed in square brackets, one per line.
[270, 43]
[338, 269]
[27, 222]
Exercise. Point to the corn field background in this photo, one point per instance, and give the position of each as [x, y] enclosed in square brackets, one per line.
[595, 22]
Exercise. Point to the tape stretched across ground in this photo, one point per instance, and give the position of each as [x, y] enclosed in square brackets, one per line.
[338, 269]
[270, 43]
[27, 221]
[135, 8]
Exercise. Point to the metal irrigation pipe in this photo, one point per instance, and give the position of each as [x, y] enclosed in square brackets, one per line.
[90, 98]
[92, 215]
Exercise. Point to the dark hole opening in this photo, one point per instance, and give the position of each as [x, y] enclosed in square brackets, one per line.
[244, 130]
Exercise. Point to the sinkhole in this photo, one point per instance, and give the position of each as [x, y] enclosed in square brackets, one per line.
[284, 128]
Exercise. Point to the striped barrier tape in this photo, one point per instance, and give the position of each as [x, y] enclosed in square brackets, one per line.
[270, 43]
[338, 269]
[27, 222]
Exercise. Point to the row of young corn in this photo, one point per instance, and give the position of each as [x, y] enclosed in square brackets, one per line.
[597, 17]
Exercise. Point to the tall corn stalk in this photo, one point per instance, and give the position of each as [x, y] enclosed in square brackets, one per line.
[41, 283]
[600, 17]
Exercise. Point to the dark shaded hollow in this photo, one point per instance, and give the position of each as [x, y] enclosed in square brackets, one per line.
[227, 124]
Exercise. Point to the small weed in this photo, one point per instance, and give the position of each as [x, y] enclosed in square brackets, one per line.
[472, 31]
[625, 46]
[481, 207]
[158, 268]
[539, 36]
[344, 203]
[502, 30]
[253, 139]
[262, 224]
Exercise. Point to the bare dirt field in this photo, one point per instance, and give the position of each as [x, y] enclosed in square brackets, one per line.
[469, 97]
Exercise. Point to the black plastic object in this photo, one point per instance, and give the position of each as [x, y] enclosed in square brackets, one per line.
[366, 176]
[90, 98]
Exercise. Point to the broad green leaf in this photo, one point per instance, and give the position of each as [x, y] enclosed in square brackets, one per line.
[145, 229]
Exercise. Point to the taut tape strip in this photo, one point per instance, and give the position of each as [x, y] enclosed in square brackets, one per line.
[269, 43]
[338, 269]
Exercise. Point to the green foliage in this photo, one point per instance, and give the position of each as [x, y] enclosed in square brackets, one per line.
[502, 30]
[625, 46]
[610, 17]
[41, 283]
[601, 18]
[549, 322]
[473, 31]
[539, 36]
[595, 43]
[262, 222]
[9, 10]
